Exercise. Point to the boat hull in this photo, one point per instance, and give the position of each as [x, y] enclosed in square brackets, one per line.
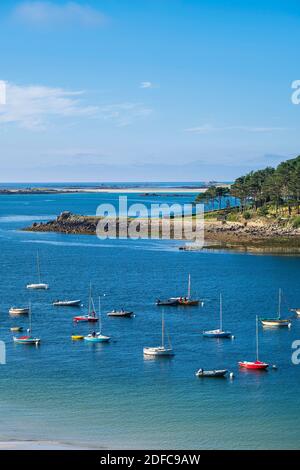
[188, 303]
[217, 334]
[120, 314]
[27, 340]
[158, 352]
[38, 286]
[257, 365]
[97, 339]
[67, 303]
[167, 303]
[85, 319]
[211, 373]
[18, 311]
[77, 337]
[275, 323]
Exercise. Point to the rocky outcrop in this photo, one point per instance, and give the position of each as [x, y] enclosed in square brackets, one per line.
[221, 233]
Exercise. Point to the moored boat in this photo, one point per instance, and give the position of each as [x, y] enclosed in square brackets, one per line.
[211, 373]
[120, 313]
[66, 303]
[77, 337]
[218, 333]
[187, 301]
[19, 311]
[160, 351]
[39, 285]
[277, 321]
[91, 316]
[97, 338]
[16, 328]
[257, 364]
[172, 302]
[27, 339]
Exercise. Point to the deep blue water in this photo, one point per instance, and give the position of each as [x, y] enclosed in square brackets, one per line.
[109, 395]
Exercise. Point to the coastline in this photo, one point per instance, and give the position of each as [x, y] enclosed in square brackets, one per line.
[254, 236]
[109, 190]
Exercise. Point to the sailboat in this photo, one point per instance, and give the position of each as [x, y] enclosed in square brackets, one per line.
[255, 365]
[39, 285]
[187, 301]
[91, 316]
[219, 333]
[28, 339]
[160, 351]
[19, 311]
[276, 321]
[97, 337]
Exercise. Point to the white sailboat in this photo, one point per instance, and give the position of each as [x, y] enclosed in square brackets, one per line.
[39, 285]
[27, 339]
[218, 333]
[160, 351]
[275, 322]
[97, 337]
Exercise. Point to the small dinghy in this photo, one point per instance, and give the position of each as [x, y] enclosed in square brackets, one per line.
[19, 311]
[66, 303]
[219, 333]
[160, 351]
[77, 337]
[15, 329]
[211, 373]
[254, 365]
[296, 310]
[120, 313]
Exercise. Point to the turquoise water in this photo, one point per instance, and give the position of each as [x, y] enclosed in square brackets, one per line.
[108, 395]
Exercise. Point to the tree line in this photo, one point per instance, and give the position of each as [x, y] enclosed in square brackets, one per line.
[259, 189]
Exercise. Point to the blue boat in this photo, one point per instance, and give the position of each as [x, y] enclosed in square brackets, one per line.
[218, 333]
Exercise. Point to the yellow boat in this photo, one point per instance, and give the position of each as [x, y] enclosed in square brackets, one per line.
[77, 337]
[16, 328]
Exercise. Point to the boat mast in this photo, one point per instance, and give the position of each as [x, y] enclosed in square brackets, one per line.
[100, 322]
[90, 297]
[221, 313]
[38, 266]
[162, 330]
[257, 338]
[279, 305]
[30, 327]
[189, 287]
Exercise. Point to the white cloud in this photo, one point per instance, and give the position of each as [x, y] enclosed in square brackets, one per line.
[32, 107]
[147, 85]
[124, 114]
[207, 128]
[40, 13]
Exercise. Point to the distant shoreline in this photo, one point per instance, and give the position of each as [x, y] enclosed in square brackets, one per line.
[146, 190]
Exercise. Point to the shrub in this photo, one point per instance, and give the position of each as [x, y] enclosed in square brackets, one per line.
[247, 215]
[296, 222]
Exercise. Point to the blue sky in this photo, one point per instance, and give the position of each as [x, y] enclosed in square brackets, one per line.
[115, 90]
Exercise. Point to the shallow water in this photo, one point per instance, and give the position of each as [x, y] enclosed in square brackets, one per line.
[109, 395]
